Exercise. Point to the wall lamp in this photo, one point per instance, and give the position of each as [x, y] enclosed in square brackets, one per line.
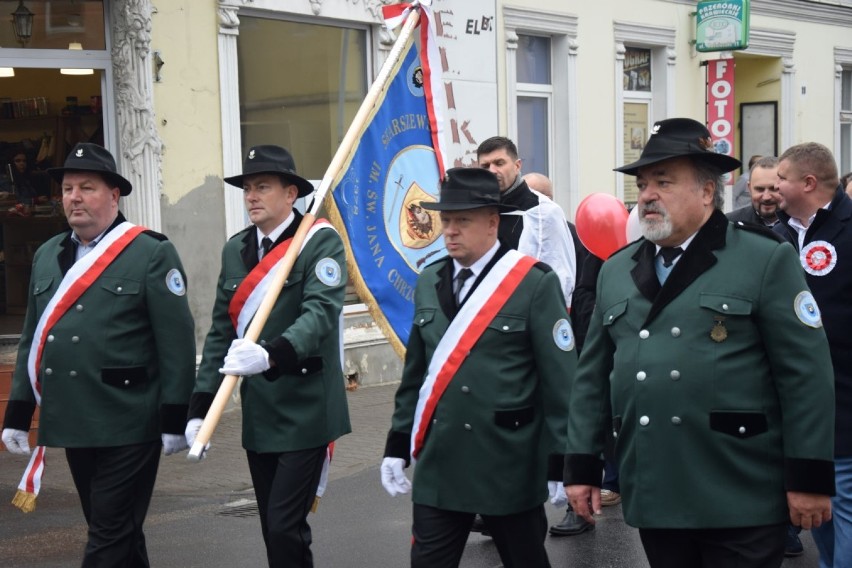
[22, 22]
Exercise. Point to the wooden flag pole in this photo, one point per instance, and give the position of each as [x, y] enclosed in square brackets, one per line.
[229, 383]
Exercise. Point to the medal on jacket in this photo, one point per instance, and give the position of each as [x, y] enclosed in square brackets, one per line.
[719, 333]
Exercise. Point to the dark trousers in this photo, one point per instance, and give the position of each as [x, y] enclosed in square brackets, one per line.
[440, 537]
[747, 547]
[115, 486]
[285, 485]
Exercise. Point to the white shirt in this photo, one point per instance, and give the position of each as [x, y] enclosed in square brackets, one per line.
[801, 228]
[477, 268]
[273, 236]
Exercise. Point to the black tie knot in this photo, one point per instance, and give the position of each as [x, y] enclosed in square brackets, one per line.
[462, 275]
[266, 245]
[669, 255]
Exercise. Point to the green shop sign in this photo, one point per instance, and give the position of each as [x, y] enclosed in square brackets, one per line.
[722, 25]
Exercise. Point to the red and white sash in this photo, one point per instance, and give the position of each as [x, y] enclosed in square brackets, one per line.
[477, 312]
[247, 300]
[253, 288]
[76, 281]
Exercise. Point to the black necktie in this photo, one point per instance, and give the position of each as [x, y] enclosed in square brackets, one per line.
[463, 275]
[266, 245]
[669, 255]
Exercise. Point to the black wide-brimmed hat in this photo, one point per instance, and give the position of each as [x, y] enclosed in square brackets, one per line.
[269, 159]
[87, 157]
[468, 188]
[676, 138]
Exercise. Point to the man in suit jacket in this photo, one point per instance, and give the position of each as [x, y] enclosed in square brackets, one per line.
[293, 396]
[709, 351]
[108, 347]
[482, 405]
[763, 209]
[816, 218]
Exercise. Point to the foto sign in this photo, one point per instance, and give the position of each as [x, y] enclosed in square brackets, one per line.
[720, 105]
[722, 25]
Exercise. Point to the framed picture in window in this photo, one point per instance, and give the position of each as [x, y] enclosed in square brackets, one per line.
[759, 130]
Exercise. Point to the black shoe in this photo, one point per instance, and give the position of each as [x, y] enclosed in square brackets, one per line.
[478, 526]
[571, 525]
[792, 545]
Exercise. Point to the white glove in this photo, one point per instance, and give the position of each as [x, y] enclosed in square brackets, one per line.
[192, 428]
[557, 493]
[173, 443]
[17, 441]
[393, 478]
[245, 358]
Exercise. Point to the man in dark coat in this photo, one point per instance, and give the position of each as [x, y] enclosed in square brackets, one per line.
[816, 217]
[108, 347]
[292, 394]
[763, 209]
[708, 349]
[482, 405]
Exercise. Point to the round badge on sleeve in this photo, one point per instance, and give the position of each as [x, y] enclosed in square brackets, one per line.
[175, 283]
[807, 310]
[563, 335]
[328, 271]
[818, 258]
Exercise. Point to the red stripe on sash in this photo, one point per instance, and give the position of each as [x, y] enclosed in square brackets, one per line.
[81, 285]
[467, 341]
[254, 277]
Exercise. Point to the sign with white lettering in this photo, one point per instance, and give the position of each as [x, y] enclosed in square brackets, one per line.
[722, 25]
[720, 105]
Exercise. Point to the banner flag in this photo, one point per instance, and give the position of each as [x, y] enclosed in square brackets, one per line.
[396, 164]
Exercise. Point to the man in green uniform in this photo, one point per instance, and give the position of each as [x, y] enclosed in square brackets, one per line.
[482, 405]
[293, 396]
[108, 350]
[708, 349]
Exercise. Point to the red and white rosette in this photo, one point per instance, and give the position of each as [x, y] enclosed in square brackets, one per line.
[818, 258]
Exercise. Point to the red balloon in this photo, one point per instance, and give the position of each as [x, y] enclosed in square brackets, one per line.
[601, 224]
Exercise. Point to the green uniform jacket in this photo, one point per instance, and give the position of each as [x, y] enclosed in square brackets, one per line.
[498, 433]
[712, 430]
[300, 402]
[119, 366]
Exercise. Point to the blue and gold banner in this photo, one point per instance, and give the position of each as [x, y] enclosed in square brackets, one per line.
[389, 238]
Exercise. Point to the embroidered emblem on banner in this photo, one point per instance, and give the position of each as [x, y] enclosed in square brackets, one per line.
[174, 282]
[807, 310]
[328, 271]
[563, 335]
[818, 258]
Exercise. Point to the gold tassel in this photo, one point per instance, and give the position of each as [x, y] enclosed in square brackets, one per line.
[315, 506]
[24, 501]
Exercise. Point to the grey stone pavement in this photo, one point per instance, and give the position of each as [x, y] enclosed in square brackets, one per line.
[204, 514]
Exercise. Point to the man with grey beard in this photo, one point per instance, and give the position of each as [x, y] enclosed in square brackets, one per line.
[707, 348]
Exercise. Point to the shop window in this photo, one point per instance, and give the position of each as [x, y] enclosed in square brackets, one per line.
[55, 24]
[302, 99]
[638, 100]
